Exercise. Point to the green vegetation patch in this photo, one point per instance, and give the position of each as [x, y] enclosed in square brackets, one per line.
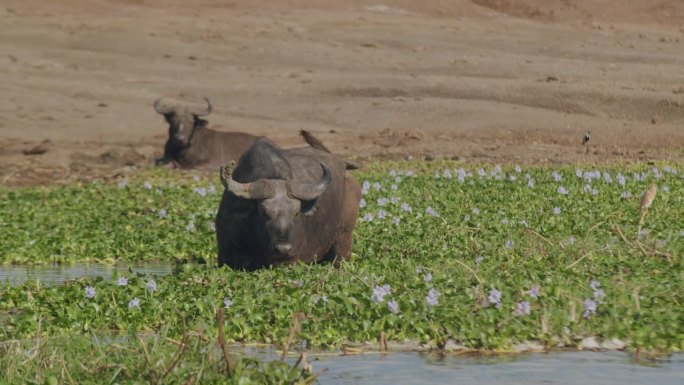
[486, 257]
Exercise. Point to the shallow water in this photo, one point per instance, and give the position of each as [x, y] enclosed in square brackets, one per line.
[55, 274]
[581, 368]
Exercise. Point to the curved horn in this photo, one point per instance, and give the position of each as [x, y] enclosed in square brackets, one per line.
[310, 191]
[260, 189]
[161, 110]
[208, 110]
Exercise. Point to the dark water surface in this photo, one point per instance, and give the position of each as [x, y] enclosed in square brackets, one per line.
[55, 274]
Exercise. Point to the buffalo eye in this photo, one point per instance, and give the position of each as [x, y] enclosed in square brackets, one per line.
[308, 208]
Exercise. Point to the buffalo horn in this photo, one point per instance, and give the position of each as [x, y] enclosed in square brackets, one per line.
[260, 189]
[310, 191]
[161, 110]
[208, 110]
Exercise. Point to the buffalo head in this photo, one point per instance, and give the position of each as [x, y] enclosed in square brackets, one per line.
[182, 121]
[280, 205]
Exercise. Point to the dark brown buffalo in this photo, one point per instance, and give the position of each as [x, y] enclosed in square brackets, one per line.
[282, 206]
[192, 145]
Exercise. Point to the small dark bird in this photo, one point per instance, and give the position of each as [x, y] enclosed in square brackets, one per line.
[586, 137]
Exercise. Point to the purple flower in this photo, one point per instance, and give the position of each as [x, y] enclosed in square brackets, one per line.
[589, 308]
[534, 292]
[481, 172]
[556, 210]
[227, 303]
[578, 173]
[586, 188]
[522, 308]
[478, 259]
[162, 213]
[394, 200]
[122, 281]
[151, 285]
[367, 218]
[405, 207]
[508, 244]
[512, 178]
[394, 187]
[190, 227]
[134, 303]
[432, 298]
[362, 203]
[556, 176]
[430, 211]
[392, 173]
[594, 191]
[379, 293]
[621, 179]
[666, 189]
[395, 221]
[626, 195]
[518, 169]
[90, 292]
[201, 191]
[376, 186]
[562, 190]
[607, 178]
[476, 211]
[123, 183]
[599, 294]
[147, 185]
[571, 240]
[494, 298]
[447, 174]
[504, 221]
[393, 306]
[382, 214]
[594, 284]
[530, 183]
[382, 201]
[427, 277]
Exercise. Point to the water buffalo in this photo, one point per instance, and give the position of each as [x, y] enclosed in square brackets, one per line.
[282, 206]
[192, 145]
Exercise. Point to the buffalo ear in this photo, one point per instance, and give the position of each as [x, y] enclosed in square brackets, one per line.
[200, 123]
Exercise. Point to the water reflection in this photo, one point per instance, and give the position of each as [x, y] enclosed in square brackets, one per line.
[581, 368]
[55, 274]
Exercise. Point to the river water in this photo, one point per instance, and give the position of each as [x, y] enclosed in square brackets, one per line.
[55, 274]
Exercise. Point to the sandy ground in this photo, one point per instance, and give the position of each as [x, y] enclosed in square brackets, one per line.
[482, 80]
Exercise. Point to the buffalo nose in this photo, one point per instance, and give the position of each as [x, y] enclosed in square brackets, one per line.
[284, 248]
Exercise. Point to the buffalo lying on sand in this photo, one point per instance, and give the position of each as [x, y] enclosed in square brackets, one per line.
[281, 206]
[192, 145]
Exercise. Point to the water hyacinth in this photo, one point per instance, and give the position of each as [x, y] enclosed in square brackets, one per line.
[122, 281]
[556, 210]
[123, 183]
[393, 306]
[394, 200]
[589, 308]
[427, 277]
[406, 207]
[134, 303]
[382, 201]
[201, 191]
[395, 221]
[379, 293]
[394, 187]
[89, 292]
[227, 303]
[368, 217]
[508, 244]
[522, 308]
[517, 169]
[476, 211]
[562, 190]
[432, 298]
[190, 227]
[377, 186]
[478, 259]
[534, 292]
[621, 179]
[163, 213]
[571, 240]
[382, 214]
[530, 182]
[494, 298]
[556, 176]
[151, 285]
[430, 211]
[362, 203]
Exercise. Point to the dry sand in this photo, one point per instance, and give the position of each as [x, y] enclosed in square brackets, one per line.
[482, 80]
